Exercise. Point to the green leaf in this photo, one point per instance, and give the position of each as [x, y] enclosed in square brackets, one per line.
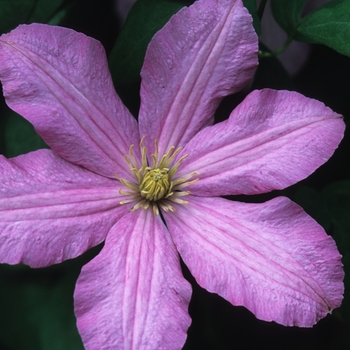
[20, 136]
[37, 308]
[251, 6]
[329, 25]
[331, 208]
[37, 305]
[271, 74]
[314, 203]
[44, 10]
[337, 197]
[15, 12]
[287, 13]
[126, 59]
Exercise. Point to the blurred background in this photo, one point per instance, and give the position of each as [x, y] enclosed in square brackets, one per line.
[36, 305]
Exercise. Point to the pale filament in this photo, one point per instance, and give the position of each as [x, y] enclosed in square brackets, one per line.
[156, 185]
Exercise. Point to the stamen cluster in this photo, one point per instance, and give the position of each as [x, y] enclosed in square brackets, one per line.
[155, 185]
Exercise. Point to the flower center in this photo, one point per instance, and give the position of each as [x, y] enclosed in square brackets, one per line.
[155, 185]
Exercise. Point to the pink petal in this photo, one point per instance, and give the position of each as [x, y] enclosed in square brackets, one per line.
[271, 258]
[51, 210]
[272, 140]
[133, 295]
[204, 52]
[59, 80]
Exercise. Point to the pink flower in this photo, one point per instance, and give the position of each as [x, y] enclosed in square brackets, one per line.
[55, 204]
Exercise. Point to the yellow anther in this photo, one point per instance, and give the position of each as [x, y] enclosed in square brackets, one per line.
[156, 186]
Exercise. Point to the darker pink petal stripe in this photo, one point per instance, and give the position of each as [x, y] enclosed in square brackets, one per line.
[51, 210]
[202, 54]
[271, 258]
[55, 204]
[132, 295]
[59, 80]
[272, 140]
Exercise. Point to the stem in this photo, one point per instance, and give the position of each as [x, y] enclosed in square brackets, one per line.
[279, 50]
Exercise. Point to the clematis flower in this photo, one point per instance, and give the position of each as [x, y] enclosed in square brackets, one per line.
[151, 191]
